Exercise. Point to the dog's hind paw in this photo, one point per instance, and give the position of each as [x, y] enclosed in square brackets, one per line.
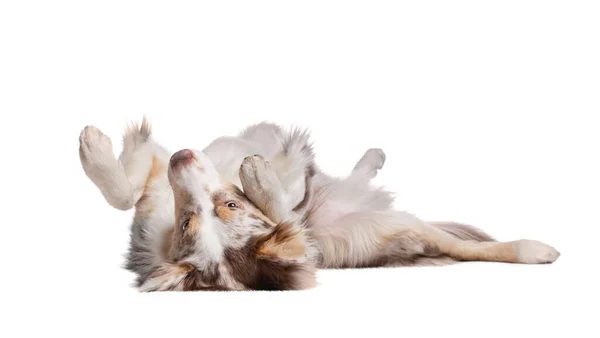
[370, 163]
[535, 252]
[376, 157]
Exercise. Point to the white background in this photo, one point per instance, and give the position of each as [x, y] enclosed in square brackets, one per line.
[488, 113]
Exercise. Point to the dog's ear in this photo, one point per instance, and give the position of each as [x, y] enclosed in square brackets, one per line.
[285, 243]
[169, 277]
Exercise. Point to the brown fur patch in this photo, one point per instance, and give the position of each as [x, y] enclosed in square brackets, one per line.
[223, 196]
[185, 267]
[167, 242]
[143, 206]
[483, 251]
[194, 225]
[183, 277]
[157, 168]
[225, 213]
[284, 243]
[184, 240]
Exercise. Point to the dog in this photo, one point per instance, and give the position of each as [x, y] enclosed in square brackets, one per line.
[255, 212]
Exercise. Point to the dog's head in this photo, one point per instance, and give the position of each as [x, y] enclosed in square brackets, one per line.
[222, 241]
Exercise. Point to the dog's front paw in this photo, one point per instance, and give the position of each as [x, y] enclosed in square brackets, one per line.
[95, 148]
[257, 176]
[262, 187]
[250, 164]
[535, 252]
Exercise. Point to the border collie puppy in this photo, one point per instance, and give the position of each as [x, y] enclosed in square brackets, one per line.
[254, 212]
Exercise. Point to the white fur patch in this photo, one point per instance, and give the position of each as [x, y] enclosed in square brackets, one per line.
[209, 240]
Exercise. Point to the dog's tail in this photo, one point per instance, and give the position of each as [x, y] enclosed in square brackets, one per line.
[463, 231]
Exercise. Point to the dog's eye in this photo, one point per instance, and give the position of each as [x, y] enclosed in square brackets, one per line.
[185, 225]
[232, 205]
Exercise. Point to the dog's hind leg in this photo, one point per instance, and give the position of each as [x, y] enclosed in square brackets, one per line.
[369, 164]
[371, 239]
[465, 243]
[522, 251]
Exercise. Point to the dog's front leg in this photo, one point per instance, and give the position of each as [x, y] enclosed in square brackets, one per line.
[263, 187]
[104, 170]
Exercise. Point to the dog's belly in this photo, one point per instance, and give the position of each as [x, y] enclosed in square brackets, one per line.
[336, 199]
[326, 213]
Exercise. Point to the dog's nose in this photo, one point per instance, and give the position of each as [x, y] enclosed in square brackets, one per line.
[182, 158]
